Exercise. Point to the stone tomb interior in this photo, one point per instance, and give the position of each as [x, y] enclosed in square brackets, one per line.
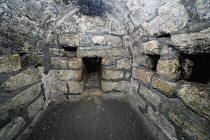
[105, 70]
[92, 72]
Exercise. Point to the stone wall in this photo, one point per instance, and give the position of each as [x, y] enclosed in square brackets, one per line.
[150, 50]
[179, 108]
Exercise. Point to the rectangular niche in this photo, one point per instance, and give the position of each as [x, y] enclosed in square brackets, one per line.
[200, 71]
[70, 51]
[92, 68]
[155, 59]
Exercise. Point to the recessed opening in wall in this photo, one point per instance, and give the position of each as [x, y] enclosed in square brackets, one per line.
[92, 71]
[201, 68]
[70, 51]
[163, 35]
[155, 59]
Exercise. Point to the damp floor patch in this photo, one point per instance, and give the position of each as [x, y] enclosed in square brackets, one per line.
[90, 119]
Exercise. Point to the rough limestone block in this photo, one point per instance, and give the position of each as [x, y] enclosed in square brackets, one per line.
[173, 16]
[143, 60]
[22, 98]
[104, 53]
[169, 68]
[76, 87]
[194, 42]
[124, 63]
[112, 75]
[12, 129]
[151, 47]
[119, 52]
[120, 86]
[164, 87]
[189, 126]
[143, 74]
[107, 40]
[75, 63]
[163, 123]
[4, 116]
[57, 89]
[76, 40]
[36, 107]
[93, 53]
[108, 62]
[137, 102]
[150, 96]
[57, 52]
[196, 96]
[68, 75]
[22, 79]
[10, 63]
[59, 62]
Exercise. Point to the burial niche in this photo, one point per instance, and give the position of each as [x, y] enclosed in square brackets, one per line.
[200, 68]
[92, 71]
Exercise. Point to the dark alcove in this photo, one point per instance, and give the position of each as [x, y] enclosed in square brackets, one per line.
[201, 68]
[155, 59]
[70, 51]
[92, 72]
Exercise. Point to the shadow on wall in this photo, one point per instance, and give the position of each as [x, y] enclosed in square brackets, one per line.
[89, 7]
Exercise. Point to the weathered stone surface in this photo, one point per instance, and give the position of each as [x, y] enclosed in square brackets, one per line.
[22, 98]
[10, 63]
[119, 86]
[77, 40]
[150, 96]
[109, 74]
[36, 107]
[22, 79]
[164, 124]
[76, 87]
[172, 16]
[66, 75]
[143, 74]
[151, 47]
[190, 127]
[4, 115]
[59, 62]
[124, 63]
[57, 52]
[93, 53]
[75, 63]
[108, 62]
[107, 40]
[202, 9]
[105, 53]
[169, 68]
[187, 66]
[193, 43]
[196, 96]
[143, 60]
[12, 129]
[163, 86]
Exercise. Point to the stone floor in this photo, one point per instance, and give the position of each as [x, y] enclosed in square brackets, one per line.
[90, 119]
[92, 81]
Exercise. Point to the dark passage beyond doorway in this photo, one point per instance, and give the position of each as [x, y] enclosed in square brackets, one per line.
[91, 119]
[92, 72]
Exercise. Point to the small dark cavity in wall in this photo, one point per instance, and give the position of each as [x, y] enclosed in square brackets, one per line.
[155, 59]
[200, 68]
[163, 35]
[70, 51]
[92, 64]
[88, 7]
[92, 72]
